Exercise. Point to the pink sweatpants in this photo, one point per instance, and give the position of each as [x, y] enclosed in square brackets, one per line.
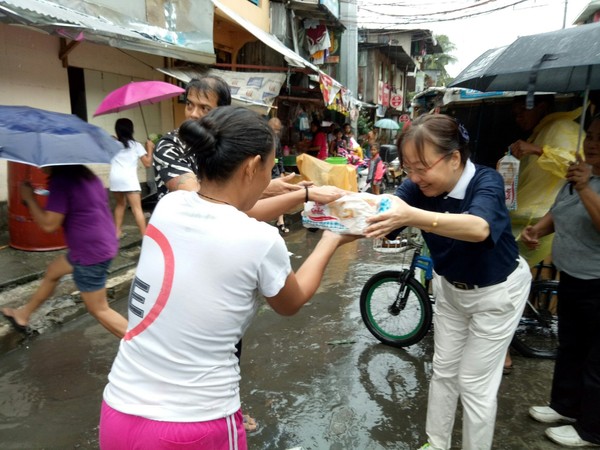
[120, 431]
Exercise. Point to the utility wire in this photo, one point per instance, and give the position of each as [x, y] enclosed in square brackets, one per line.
[423, 18]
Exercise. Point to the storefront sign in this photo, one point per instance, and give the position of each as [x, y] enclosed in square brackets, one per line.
[253, 86]
[396, 101]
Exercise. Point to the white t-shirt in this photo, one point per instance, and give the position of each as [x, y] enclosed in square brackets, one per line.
[123, 168]
[201, 270]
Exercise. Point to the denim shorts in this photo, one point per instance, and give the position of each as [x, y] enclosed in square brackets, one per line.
[90, 278]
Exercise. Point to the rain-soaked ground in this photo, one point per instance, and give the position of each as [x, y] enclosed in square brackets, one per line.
[317, 380]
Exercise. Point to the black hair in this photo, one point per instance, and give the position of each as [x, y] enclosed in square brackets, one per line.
[316, 123]
[224, 138]
[210, 83]
[75, 171]
[444, 132]
[124, 131]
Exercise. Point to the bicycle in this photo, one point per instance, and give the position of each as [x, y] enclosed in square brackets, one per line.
[398, 310]
[536, 335]
[395, 307]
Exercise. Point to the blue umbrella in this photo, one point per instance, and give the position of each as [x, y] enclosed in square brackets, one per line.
[44, 138]
[387, 124]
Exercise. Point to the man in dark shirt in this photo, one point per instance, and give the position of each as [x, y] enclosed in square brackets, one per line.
[176, 171]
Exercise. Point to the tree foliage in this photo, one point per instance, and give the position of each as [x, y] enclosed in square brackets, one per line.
[439, 61]
[364, 124]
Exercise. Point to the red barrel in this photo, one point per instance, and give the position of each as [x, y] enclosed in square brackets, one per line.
[24, 233]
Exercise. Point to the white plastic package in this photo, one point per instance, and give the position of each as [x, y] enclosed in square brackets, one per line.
[346, 215]
[508, 167]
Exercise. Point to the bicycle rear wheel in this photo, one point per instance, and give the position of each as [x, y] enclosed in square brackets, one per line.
[394, 322]
[537, 333]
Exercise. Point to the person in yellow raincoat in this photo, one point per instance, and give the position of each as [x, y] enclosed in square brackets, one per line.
[544, 159]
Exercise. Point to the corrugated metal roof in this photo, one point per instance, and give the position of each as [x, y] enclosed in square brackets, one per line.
[106, 28]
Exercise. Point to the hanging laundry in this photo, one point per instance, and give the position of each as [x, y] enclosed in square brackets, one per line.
[318, 58]
[317, 37]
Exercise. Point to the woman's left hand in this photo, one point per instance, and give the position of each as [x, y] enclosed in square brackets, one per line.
[325, 194]
[384, 223]
[579, 174]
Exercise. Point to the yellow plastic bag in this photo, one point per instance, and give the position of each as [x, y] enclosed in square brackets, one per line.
[540, 178]
[557, 135]
[322, 173]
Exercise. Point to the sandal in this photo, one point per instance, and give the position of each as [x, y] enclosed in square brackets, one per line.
[506, 370]
[249, 423]
[282, 228]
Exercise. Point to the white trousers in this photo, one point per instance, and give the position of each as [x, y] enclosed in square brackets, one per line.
[472, 332]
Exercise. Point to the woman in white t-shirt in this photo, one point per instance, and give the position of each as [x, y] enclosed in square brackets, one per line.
[123, 179]
[204, 269]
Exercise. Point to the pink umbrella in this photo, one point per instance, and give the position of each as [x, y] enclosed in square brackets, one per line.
[136, 94]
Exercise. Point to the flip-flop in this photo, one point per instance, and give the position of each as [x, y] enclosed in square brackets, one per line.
[249, 423]
[507, 370]
[282, 228]
[17, 326]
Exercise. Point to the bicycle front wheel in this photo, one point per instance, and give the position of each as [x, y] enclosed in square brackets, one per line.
[396, 317]
[537, 333]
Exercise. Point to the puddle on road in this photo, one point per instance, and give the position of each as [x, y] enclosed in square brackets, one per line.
[306, 392]
[302, 390]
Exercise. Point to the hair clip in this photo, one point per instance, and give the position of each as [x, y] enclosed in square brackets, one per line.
[463, 132]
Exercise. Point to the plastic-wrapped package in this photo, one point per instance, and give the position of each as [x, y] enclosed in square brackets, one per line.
[508, 167]
[346, 215]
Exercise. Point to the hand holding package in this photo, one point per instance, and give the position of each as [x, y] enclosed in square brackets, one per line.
[346, 215]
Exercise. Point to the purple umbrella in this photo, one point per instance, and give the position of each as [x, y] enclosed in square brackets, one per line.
[137, 94]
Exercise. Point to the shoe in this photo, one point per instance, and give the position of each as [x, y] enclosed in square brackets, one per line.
[507, 370]
[568, 437]
[282, 228]
[546, 414]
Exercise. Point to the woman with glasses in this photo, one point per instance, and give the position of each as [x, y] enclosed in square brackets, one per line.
[480, 282]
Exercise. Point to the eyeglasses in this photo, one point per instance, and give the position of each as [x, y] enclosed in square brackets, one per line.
[420, 172]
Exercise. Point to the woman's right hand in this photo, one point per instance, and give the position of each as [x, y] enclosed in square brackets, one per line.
[529, 237]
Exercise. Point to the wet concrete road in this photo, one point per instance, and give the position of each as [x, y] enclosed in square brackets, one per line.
[317, 380]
